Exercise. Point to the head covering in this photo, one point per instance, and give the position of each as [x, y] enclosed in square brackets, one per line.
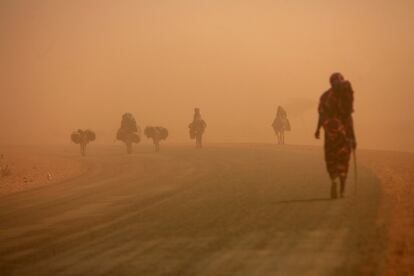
[281, 112]
[197, 114]
[336, 79]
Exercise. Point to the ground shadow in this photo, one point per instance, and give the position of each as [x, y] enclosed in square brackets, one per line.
[303, 200]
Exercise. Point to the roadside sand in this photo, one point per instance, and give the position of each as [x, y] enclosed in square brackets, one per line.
[29, 169]
[396, 173]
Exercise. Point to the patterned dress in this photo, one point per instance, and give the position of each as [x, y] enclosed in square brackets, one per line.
[335, 115]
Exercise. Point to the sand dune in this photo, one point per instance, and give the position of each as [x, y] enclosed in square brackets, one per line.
[224, 210]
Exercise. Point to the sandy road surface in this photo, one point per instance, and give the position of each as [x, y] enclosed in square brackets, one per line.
[236, 210]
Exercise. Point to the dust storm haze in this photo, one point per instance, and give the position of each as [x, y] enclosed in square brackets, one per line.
[82, 64]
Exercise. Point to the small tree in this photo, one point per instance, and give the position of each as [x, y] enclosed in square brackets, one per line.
[83, 138]
[157, 134]
[128, 132]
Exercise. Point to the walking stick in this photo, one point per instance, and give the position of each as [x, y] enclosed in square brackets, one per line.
[355, 171]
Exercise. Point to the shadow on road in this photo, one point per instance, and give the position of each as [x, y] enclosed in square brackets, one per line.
[303, 200]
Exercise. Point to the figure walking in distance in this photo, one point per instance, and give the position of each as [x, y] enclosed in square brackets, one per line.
[280, 125]
[335, 116]
[157, 134]
[197, 128]
[83, 138]
[128, 132]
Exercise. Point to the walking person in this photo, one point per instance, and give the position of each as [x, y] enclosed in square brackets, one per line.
[129, 132]
[197, 128]
[157, 134]
[83, 138]
[280, 125]
[335, 116]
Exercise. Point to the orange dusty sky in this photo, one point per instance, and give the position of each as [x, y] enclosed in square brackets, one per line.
[82, 64]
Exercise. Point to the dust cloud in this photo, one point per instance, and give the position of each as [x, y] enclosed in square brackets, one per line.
[82, 64]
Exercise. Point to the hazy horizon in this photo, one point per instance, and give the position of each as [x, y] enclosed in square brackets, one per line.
[82, 64]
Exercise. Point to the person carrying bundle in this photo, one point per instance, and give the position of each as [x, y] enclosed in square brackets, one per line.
[83, 137]
[335, 116]
[197, 128]
[128, 132]
[157, 134]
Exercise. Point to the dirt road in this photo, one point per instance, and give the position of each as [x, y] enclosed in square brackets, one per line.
[223, 210]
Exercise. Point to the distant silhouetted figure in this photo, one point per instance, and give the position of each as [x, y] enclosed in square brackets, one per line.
[197, 128]
[83, 137]
[157, 134]
[128, 132]
[335, 116]
[280, 125]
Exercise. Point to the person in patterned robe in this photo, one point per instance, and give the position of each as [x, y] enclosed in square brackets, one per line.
[335, 116]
